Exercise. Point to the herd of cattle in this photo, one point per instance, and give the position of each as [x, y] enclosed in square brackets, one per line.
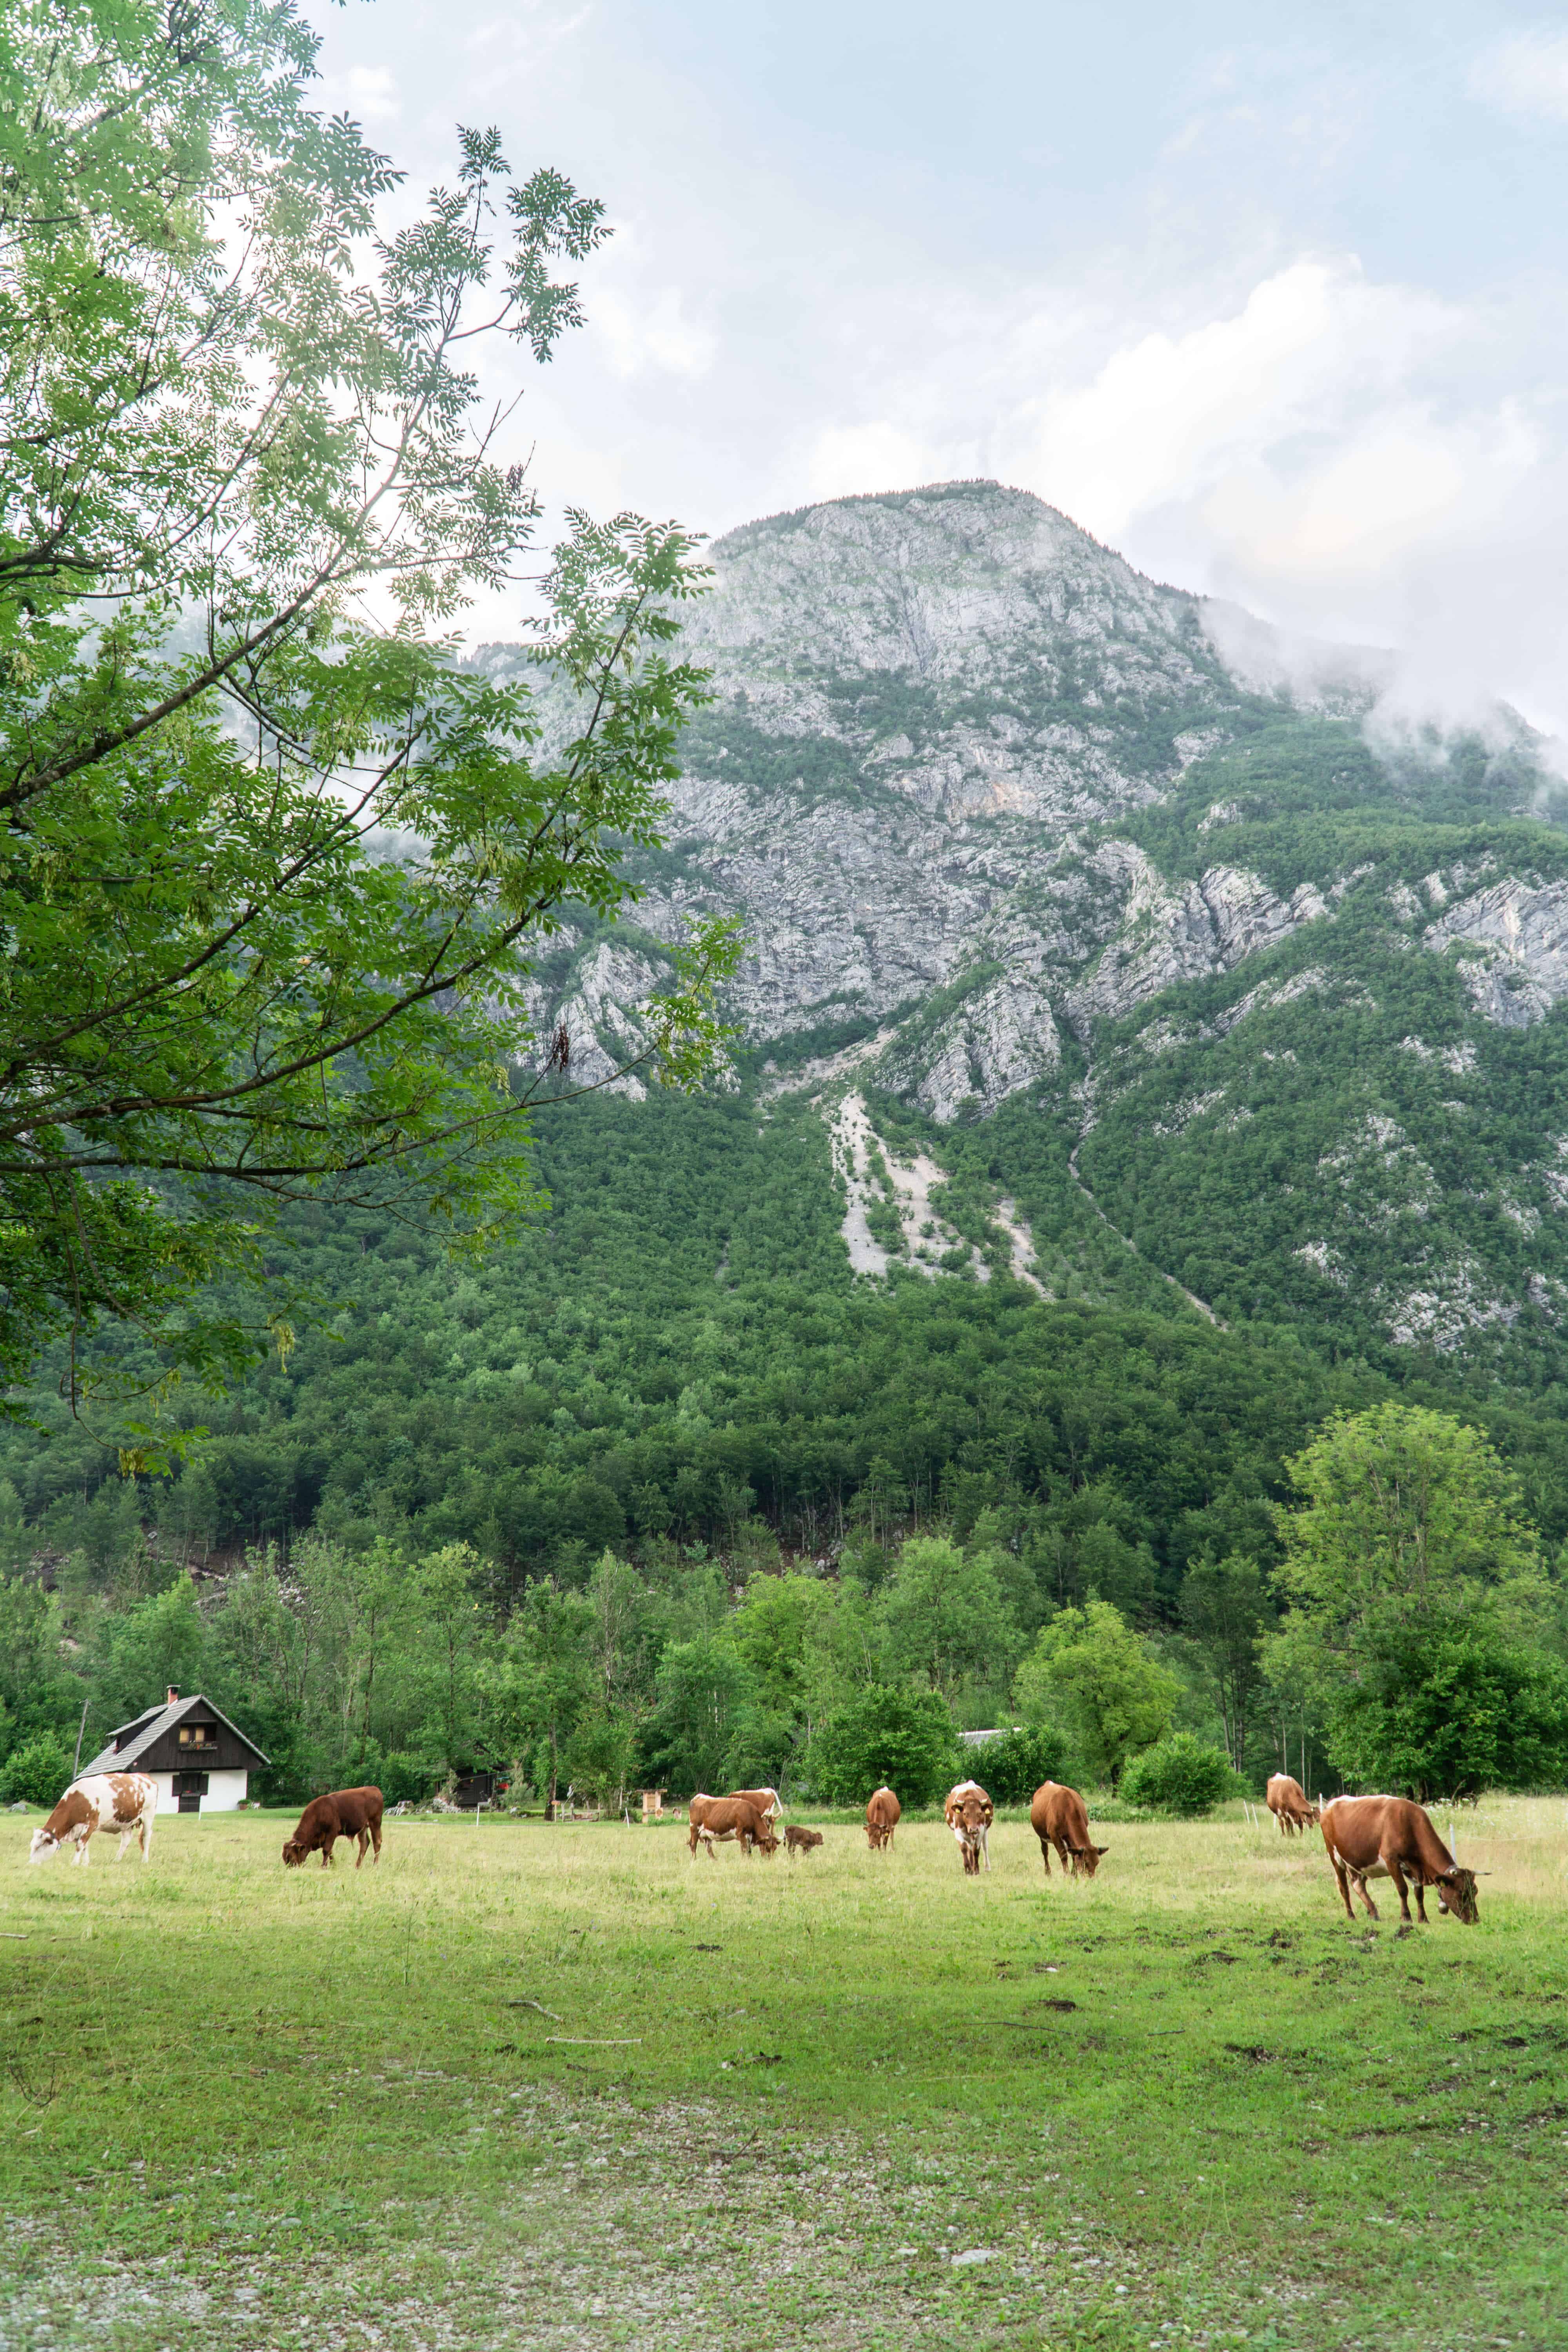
[1366, 1837]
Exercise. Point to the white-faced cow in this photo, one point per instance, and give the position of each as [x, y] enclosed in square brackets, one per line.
[969, 1813]
[882, 1817]
[766, 1801]
[719, 1818]
[1290, 1804]
[1059, 1818]
[126, 1801]
[1390, 1837]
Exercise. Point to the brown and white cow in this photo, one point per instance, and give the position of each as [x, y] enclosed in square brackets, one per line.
[1290, 1804]
[799, 1840]
[1390, 1837]
[1059, 1818]
[766, 1801]
[719, 1818]
[126, 1801]
[342, 1814]
[883, 1814]
[969, 1813]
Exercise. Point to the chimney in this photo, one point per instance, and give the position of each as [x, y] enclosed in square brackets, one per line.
[173, 1695]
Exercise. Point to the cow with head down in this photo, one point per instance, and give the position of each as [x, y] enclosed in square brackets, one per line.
[969, 1813]
[1290, 1805]
[719, 1818]
[126, 1801]
[882, 1816]
[341, 1813]
[1390, 1837]
[1059, 1818]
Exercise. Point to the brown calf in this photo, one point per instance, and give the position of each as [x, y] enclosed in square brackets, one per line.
[1290, 1804]
[1059, 1818]
[1389, 1837]
[343, 1813]
[721, 1818]
[800, 1841]
[882, 1816]
[969, 1813]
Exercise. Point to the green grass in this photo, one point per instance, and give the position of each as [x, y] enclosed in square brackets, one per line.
[1184, 2104]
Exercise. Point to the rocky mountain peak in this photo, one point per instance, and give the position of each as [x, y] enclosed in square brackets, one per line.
[967, 584]
[1007, 821]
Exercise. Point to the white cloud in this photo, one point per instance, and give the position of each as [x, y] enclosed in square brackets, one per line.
[649, 332]
[1399, 481]
[846, 460]
[1170, 416]
[1526, 74]
[369, 93]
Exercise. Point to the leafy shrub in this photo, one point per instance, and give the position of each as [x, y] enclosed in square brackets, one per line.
[1179, 1776]
[1013, 1767]
[38, 1771]
[886, 1735]
[1448, 1710]
[405, 1779]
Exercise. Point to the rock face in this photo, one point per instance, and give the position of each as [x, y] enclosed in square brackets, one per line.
[931, 711]
[1002, 819]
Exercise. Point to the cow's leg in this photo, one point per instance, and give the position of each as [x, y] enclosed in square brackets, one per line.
[986, 1848]
[82, 1857]
[125, 1838]
[144, 1836]
[1343, 1876]
[376, 1841]
[1045, 1855]
[1373, 1911]
[364, 1842]
[1391, 1863]
[327, 1852]
[1420, 1886]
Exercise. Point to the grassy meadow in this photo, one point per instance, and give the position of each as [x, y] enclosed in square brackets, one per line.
[524, 2086]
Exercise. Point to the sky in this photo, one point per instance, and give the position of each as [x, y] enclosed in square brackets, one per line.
[1274, 299]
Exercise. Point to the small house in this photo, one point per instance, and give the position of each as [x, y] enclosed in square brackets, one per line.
[201, 1762]
[475, 1788]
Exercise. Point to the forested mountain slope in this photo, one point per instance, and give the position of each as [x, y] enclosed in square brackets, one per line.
[1021, 827]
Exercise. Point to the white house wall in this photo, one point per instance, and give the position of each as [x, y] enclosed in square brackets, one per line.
[225, 1791]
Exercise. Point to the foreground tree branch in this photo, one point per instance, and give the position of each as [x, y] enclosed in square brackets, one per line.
[274, 869]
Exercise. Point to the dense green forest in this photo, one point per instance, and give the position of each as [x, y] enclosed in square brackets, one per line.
[661, 1490]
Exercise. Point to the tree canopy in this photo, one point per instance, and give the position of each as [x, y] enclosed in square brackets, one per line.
[273, 863]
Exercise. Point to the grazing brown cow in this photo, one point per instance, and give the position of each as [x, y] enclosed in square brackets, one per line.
[1059, 1818]
[344, 1814]
[969, 1813]
[1290, 1804]
[126, 1801]
[721, 1818]
[797, 1840]
[883, 1813]
[1389, 1837]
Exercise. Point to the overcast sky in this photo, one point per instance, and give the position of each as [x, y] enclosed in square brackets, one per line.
[1273, 299]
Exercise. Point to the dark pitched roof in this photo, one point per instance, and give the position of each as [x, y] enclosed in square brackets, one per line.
[146, 1729]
